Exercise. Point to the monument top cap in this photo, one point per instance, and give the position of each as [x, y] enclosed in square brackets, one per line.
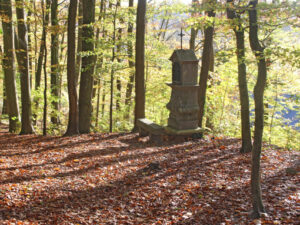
[184, 55]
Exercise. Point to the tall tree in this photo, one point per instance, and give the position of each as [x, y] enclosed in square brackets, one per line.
[71, 71]
[208, 41]
[239, 31]
[54, 62]
[130, 62]
[23, 62]
[112, 73]
[79, 41]
[87, 72]
[38, 72]
[9, 66]
[259, 88]
[140, 62]
[194, 31]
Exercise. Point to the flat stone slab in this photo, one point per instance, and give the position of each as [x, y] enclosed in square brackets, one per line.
[172, 131]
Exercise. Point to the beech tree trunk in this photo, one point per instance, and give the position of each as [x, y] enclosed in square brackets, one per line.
[23, 62]
[71, 71]
[208, 41]
[54, 64]
[86, 78]
[38, 73]
[129, 87]
[242, 78]
[259, 88]
[9, 66]
[140, 63]
[119, 45]
[79, 41]
[194, 31]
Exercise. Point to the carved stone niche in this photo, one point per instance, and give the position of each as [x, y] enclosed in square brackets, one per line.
[184, 67]
[183, 104]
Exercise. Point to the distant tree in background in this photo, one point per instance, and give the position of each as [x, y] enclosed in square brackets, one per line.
[54, 62]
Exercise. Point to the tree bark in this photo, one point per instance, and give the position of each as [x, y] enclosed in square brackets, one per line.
[193, 30]
[208, 40]
[71, 71]
[140, 63]
[54, 63]
[119, 45]
[9, 67]
[86, 79]
[259, 88]
[239, 31]
[79, 41]
[112, 73]
[129, 87]
[38, 72]
[23, 62]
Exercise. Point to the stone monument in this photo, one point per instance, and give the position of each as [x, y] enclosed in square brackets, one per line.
[183, 105]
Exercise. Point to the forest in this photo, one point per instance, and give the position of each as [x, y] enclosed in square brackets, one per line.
[149, 112]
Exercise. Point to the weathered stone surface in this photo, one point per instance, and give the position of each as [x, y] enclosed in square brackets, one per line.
[183, 104]
[184, 68]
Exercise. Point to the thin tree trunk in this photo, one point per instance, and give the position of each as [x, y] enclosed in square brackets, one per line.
[45, 93]
[129, 87]
[79, 40]
[119, 84]
[23, 63]
[29, 43]
[194, 31]
[103, 99]
[9, 67]
[86, 79]
[140, 63]
[112, 73]
[71, 71]
[259, 88]
[42, 48]
[54, 64]
[239, 31]
[208, 39]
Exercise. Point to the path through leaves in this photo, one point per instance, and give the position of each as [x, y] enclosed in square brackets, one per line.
[121, 179]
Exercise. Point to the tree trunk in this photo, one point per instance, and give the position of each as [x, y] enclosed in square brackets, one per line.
[29, 42]
[54, 64]
[194, 31]
[9, 67]
[86, 79]
[208, 40]
[23, 63]
[129, 87]
[112, 72]
[42, 48]
[259, 88]
[119, 84]
[45, 24]
[242, 78]
[140, 63]
[79, 41]
[71, 71]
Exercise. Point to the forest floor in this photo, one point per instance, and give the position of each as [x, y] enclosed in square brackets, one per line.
[123, 179]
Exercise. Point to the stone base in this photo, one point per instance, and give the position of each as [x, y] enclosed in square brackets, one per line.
[172, 131]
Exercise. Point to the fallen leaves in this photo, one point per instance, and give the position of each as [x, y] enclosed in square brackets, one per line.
[121, 179]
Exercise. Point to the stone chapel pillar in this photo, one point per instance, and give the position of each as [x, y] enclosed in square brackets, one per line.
[183, 105]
